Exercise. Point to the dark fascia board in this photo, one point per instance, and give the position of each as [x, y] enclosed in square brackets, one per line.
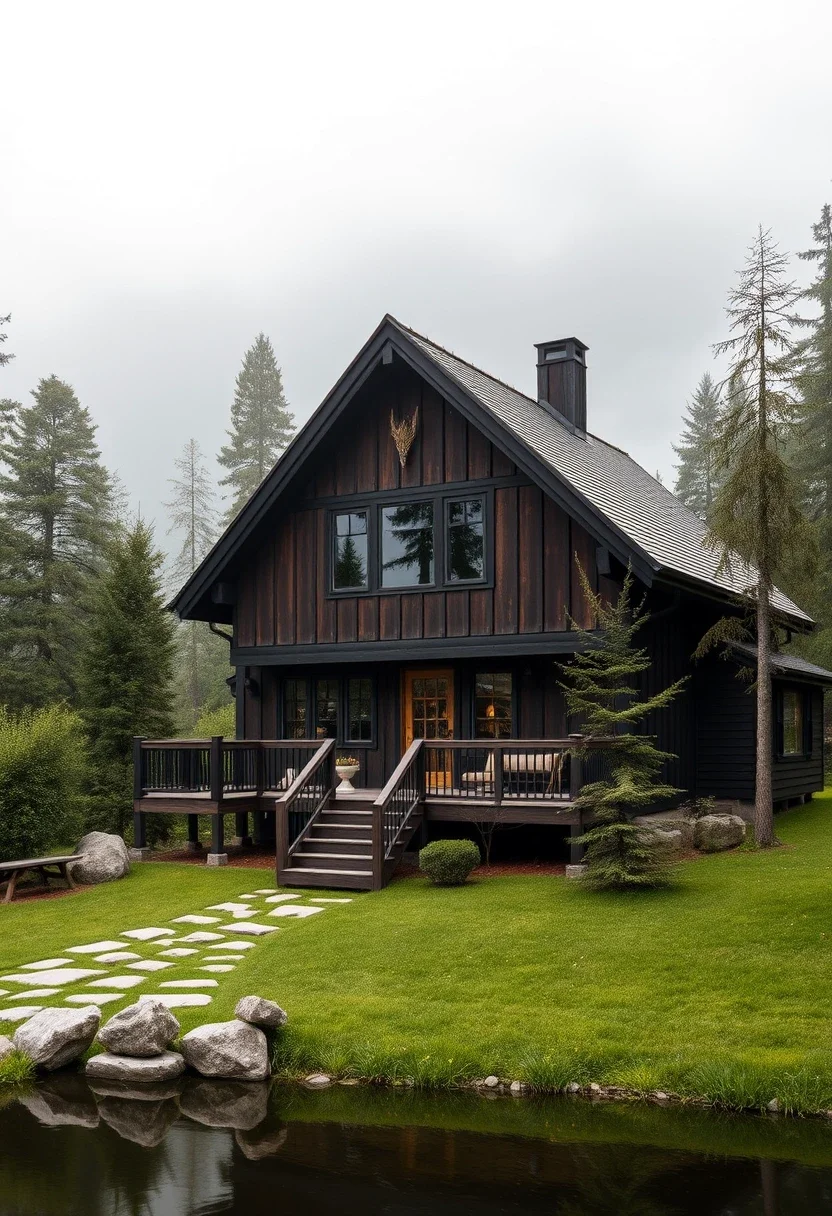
[407, 651]
[389, 333]
[680, 582]
[783, 675]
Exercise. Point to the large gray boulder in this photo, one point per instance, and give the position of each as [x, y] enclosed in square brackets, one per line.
[110, 1067]
[669, 821]
[6, 1047]
[144, 1029]
[104, 858]
[259, 1012]
[670, 842]
[227, 1049]
[713, 833]
[55, 1037]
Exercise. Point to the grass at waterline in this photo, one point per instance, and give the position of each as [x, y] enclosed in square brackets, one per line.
[16, 1069]
[719, 988]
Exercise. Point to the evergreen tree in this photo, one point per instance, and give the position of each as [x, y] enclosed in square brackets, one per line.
[55, 503]
[261, 424]
[603, 691]
[5, 356]
[696, 476]
[202, 658]
[126, 672]
[349, 565]
[815, 382]
[757, 522]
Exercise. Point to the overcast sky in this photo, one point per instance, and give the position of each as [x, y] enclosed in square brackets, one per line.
[177, 177]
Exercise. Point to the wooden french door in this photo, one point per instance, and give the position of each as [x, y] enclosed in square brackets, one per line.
[428, 713]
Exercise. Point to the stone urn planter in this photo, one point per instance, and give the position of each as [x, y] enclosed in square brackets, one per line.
[346, 767]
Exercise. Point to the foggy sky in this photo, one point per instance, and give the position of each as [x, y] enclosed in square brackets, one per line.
[176, 177]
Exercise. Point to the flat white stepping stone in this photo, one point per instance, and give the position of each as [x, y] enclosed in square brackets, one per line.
[94, 948]
[64, 975]
[165, 941]
[225, 958]
[36, 992]
[181, 1000]
[203, 936]
[94, 998]
[118, 981]
[321, 900]
[234, 909]
[117, 956]
[179, 952]
[20, 1014]
[235, 945]
[216, 967]
[190, 984]
[5, 991]
[45, 964]
[146, 935]
[150, 964]
[265, 891]
[250, 895]
[282, 899]
[250, 926]
[295, 910]
[196, 920]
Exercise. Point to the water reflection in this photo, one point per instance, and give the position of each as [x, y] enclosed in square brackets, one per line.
[198, 1147]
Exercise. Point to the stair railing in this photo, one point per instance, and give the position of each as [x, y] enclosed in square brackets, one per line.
[299, 806]
[392, 810]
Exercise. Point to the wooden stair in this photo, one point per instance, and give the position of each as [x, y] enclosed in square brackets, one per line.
[337, 850]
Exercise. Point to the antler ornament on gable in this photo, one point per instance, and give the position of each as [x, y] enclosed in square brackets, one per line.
[404, 433]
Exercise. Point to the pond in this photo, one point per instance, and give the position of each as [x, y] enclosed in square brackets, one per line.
[203, 1147]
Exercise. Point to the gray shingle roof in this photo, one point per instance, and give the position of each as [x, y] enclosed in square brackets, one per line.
[667, 532]
[787, 664]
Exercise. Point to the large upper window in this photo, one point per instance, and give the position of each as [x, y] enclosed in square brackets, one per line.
[492, 705]
[465, 540]
[794, 723]
[349, 559]
[407, 545]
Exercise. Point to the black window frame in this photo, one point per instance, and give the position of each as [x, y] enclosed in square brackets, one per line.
[440, 497]
[342, 711]
[485, 669]
[780, 727]
[364, 587]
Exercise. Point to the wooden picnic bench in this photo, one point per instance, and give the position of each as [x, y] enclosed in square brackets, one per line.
[15, 869]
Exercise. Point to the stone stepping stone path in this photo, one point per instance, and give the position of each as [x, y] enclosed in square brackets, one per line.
[215, 951]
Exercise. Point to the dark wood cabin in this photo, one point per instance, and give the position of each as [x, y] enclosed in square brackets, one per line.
[402, 589]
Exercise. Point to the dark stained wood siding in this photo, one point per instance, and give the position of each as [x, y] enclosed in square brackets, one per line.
[282, 594]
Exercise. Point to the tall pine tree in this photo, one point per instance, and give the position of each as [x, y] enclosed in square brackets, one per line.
[202, 658]
[603, 692]
[261, 424]
[56, 514]
[757, 522]
[697, 479]
[126, 672]
[5, 355]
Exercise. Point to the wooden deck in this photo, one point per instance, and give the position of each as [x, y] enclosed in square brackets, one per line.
[330, 838]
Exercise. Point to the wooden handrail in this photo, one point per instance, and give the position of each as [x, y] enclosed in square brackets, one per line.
[279, 744]
[288, 796]
[398, 772]
[542, 745]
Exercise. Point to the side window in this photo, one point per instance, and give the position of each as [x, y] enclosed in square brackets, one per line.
[359, 711]
[793, 741]
[349, 551]
[294, 709]
[492, 705]
[326, 709]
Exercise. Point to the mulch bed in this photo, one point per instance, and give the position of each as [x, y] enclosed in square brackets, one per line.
[254, 858]
[27, 893]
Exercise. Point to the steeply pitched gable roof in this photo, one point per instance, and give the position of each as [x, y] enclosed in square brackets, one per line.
[627, 508]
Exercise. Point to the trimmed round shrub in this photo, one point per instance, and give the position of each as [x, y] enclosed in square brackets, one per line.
[41, 771]
[448, 863]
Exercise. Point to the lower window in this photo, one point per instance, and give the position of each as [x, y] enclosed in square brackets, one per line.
[793, 723]
[337, 708]
[493, 705]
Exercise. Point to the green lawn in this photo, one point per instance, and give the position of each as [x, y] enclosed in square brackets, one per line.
[721, 986]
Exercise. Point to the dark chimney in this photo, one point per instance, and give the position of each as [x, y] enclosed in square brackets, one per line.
[561, 379]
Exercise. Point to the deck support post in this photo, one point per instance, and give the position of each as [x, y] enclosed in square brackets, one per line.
[576, 851]
[378, 848]
[194, 843]
[241, 836]
[218, 855]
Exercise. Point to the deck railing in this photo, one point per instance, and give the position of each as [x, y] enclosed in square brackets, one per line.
[299, 806]
[218, 768]
[507, 770]
[401, 797]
